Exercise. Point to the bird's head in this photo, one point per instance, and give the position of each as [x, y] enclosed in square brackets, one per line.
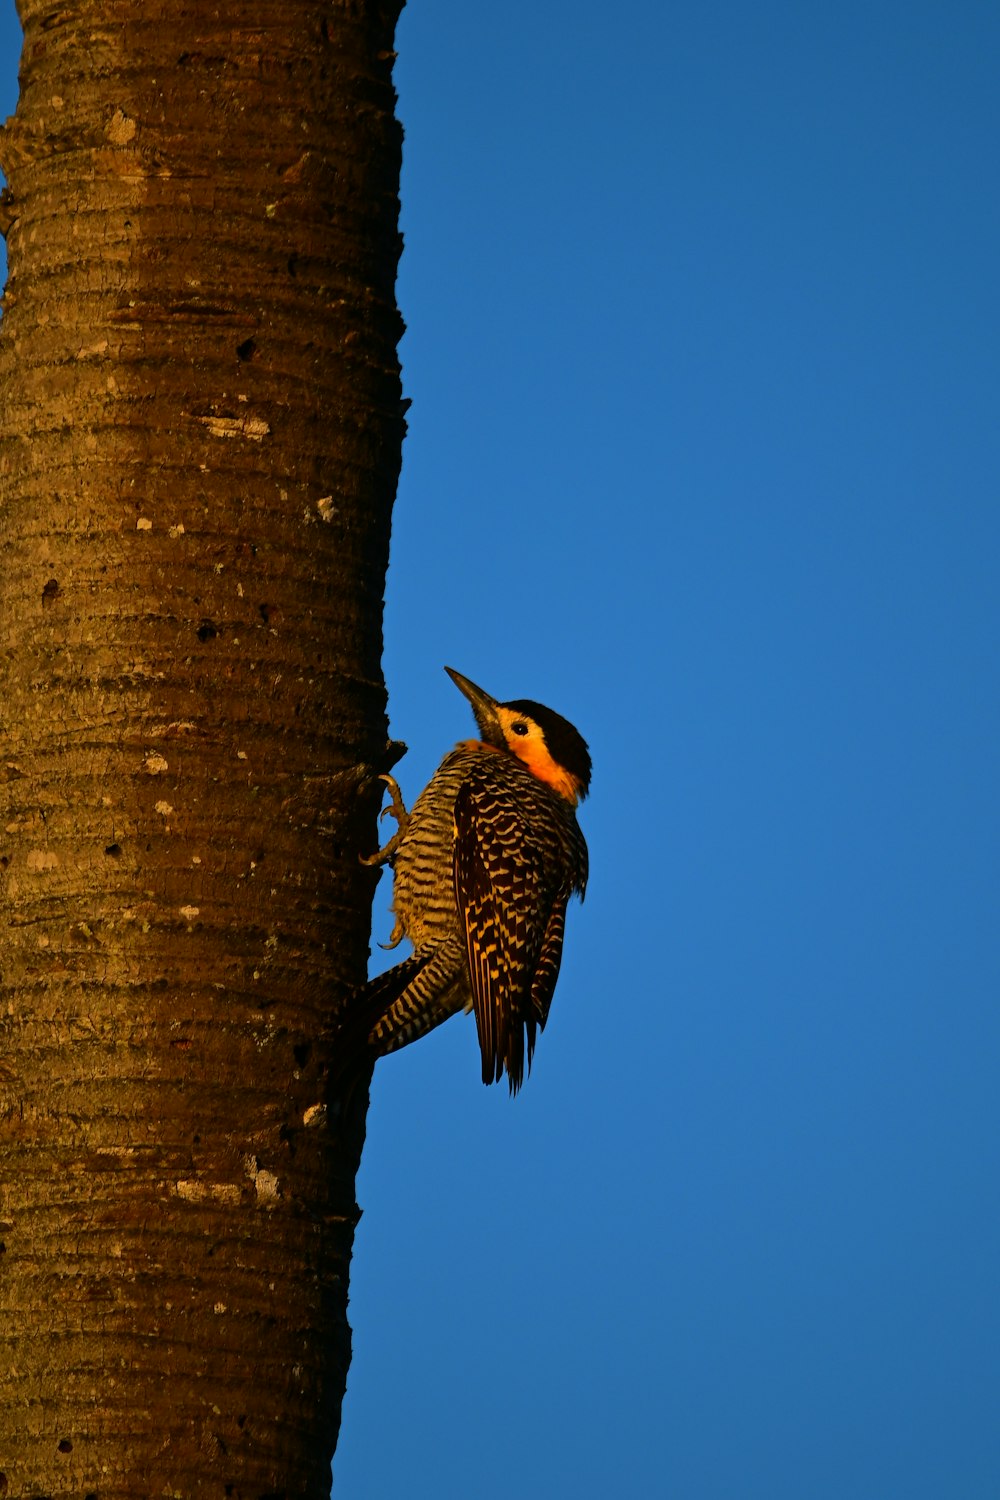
[549, 745]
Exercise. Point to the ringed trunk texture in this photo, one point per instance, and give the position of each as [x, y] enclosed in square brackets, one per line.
[199, 444]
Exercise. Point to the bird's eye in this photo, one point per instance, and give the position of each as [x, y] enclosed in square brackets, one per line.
[519, 727]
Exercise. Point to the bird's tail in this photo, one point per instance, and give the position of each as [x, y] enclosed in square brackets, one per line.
[397, 1008]
[365, 1018]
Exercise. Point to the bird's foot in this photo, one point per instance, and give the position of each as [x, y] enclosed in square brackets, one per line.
[398, 810]
[396, 936]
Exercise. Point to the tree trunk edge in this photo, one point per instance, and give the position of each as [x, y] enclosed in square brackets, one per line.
[193, 724]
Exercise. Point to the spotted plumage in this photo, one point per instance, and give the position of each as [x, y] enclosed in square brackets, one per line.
[484, 867]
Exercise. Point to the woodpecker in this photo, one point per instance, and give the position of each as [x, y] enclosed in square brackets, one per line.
[484, 866]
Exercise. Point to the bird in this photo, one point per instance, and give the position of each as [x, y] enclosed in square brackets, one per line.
[484, 866]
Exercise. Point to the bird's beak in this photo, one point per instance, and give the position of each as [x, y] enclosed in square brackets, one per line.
[483, 706]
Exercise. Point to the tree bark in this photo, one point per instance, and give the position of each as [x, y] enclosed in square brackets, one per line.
[199, 445]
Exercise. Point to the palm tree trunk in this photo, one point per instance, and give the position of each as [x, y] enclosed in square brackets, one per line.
[199, 444]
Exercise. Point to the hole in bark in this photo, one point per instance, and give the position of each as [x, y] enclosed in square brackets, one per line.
[264, 610]
[114, 850]
[49, 592]
[3, 1484]
[247, 349]
[3, 1248]
[90, 1495]
[293, 265]
[301, 1052]
[207, 631]
[241, 1421]
[4, 861]
[65, 1446]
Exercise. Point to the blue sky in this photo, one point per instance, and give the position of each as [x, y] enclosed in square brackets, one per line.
[704, 351]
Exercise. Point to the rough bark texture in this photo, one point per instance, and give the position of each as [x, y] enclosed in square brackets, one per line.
[199, 443]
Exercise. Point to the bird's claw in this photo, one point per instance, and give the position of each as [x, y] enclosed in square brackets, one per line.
[396, 936]
[398, 810]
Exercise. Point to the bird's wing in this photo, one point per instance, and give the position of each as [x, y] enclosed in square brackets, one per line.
[549, 959]
[505, 908]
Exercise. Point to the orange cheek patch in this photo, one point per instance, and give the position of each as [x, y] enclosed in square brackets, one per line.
[540, 763]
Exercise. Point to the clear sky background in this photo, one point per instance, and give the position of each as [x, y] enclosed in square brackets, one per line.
[704, 452]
